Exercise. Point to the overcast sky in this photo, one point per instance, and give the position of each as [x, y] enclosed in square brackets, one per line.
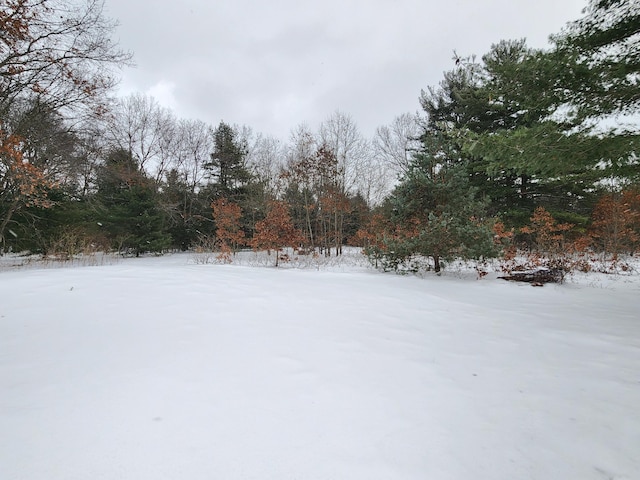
[275, 64]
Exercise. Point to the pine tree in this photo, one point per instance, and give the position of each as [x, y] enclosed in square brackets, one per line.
[128, 206]
[603, 51]
[436, 214]
[227, 164]
[175, 200]
[462, 107]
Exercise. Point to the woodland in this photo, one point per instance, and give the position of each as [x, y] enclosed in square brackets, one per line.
[517, 150]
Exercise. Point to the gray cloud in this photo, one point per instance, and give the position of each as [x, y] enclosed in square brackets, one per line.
[273, 65]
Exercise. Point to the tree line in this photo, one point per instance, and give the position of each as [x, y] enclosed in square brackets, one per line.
[518, 139]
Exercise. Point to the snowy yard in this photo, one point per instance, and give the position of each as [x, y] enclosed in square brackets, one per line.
[163, 369]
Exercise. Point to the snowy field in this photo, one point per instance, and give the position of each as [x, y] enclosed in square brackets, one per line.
[167, 369]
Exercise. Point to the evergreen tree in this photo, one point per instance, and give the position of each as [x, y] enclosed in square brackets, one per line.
[227, 164]
[436, 214]
[128, 206]
[232, 178]
[556, 91]
[45, 230]
[603, 51]
[566, 151]
[527, 123]
[486, 110]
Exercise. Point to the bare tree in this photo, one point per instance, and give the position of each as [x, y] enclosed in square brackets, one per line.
[194, 146]
[60, 50]
[395, 144]
[91, 150]
[168, 144]
[184, 152]
[341, 136]
[302, 144]
[357, 170]
[265, 160]
[375, 181]
[143, 128]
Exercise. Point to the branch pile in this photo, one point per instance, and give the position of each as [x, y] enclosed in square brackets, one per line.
[537, 277]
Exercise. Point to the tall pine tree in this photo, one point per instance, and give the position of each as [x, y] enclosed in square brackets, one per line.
[227, 164]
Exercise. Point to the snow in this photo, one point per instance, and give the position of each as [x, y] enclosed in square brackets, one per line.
[163, 368]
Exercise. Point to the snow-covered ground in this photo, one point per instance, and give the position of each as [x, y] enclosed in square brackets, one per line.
[164, 368]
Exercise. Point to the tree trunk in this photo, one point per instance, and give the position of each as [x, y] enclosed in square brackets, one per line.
[308, 219]
[5, 221]
[524, 186]
[337, 233]
[436, 263]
